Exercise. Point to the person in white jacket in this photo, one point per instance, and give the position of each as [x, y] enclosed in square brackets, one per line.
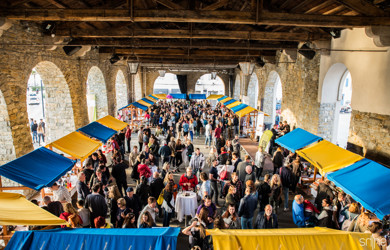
[259, 162]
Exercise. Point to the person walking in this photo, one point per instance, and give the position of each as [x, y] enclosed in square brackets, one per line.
[96, 204]
[286, 179]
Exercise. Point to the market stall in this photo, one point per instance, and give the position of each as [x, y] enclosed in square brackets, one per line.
[98, 131]
[197, 96]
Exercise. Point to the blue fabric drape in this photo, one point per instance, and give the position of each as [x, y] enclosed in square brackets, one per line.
[91, 238]
[367, 182]
[197, 96]
[297, 139]
[139, 105]
[229, 102]
[147, 100]
[98, 131]
[239, 107]
[223, 97]
[37, 169]
[179, 96]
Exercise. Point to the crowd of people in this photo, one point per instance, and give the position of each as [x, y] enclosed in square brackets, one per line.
[229, 186]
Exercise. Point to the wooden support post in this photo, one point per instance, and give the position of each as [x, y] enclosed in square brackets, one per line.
[1, 184]
[43, 193]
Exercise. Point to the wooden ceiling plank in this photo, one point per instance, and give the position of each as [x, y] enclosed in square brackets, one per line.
[170, 5]
[58, 4]
[362, 7]
[19, 2]
[319, 7]
[216, 5]
[188, 16]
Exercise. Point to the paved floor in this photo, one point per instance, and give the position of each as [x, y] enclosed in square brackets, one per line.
[284, 218]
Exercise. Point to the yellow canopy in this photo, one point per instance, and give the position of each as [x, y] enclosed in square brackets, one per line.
[151, 99]
[231, 105]
[328, 157]
[289, 238]
[16, 210]
[160, 96]
[112, 122]
[214, 97]
[226, 99]
[245, 111]
[144, 103]
[77, 145]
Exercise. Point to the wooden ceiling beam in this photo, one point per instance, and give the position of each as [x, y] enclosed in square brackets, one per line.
[58, 4]
[362, 7]
[194, 34]
[193, 45]
[170, 5]
[189, 16]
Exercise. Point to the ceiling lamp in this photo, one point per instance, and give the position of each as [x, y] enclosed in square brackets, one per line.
[161, 72]
[307, 52]
[247, 67]
[114, 59]
[214, 75]
[133, 66]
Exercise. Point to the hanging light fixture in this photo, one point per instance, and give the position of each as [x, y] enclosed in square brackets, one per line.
[214, 75]
[161, 72]
[247, 67]
[133, 66]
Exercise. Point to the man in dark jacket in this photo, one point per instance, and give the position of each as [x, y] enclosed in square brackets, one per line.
[286, 178]
[96, 204]
[324, 191]
[81, 187]
[241, 168]
[264, 191]
[266, 219]
[165, 152]
[119, 173]
[133, 202]
[246, 209]
[156, 186]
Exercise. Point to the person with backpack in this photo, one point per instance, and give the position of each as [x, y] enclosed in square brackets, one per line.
[325, 218]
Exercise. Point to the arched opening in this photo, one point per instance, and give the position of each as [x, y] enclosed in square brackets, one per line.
[137, 87]
[96, 94]
[121, 90]
[167, 84]
[48, 98]
[253, 91]
[237, 84]
[335, 108]
[272, 99]
[207, 85]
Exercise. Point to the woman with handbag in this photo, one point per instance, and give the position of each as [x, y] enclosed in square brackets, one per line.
[168, 204]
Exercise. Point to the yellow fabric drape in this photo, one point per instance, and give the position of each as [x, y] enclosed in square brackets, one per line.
[144, 103]
[231, 105]
[245, 111]
[214, 97]
[289, 238]
[77, 145]
[160, 96]
[112, 123]
[328, 157]
[16, 210]
[226, 99]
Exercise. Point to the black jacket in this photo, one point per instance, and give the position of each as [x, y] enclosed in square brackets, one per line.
[278, 159]
[156, 186]
[119, 172]
[96, 204]
[82, 190]
[133, 203]
[286, 176]
[262, 223]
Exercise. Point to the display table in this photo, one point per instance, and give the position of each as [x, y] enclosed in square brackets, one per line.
[185, 205]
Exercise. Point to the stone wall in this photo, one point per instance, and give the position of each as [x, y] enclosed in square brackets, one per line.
[326, 120]
[121, 90]
[253, 91]
[372, 132]
[236, 87]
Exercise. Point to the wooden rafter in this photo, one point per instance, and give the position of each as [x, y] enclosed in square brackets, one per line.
[194, 34]
[170, 5]
[188, 16]
[216, 5]
[362, 7]
[58, 4]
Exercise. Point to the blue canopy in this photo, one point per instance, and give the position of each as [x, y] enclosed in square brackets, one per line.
[153, 97]
[139, 105]
[197, 96]
[297, 139]
[98, 131]
[91, 238]
[179, 96]
[239, 107]
[223, 97]
[37, 169]
[125, 106]
[229, 102]
[367, 182]
[147, 100]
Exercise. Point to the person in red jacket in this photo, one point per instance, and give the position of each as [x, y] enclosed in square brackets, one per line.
[128, 137]
[144, 170]
[188, 181]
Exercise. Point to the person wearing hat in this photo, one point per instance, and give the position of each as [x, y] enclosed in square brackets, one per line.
[132, 201]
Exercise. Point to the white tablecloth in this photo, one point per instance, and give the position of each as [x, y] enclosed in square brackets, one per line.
[185, 205]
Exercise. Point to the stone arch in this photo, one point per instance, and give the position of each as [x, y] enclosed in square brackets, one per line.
[217, 87]
[96, 94]
[59, 117]
[137, 87]
[237, 89]
[253, 91]
[270, 97]
[120, 89]
[7, 150]
[331, 96]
